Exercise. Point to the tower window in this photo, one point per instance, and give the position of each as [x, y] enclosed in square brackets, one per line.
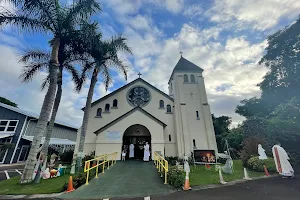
[194, 142]
[185, 78]
[99, 112]
[193, 78]
[115, 103]
[161, 104]
[197, 115]
[107, 107]
[169, 138]
[168, 108]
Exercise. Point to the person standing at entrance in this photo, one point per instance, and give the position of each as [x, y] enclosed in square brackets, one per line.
[146, 152]
[131, 151]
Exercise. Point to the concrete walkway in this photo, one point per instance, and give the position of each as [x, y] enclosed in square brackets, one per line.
[125, 179]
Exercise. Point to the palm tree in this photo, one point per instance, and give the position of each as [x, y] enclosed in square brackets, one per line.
[104, 56]
[37, 60]
[47, 16]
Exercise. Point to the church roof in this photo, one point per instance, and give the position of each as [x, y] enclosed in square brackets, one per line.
[127, 85]
[186, 66]
[125, 115]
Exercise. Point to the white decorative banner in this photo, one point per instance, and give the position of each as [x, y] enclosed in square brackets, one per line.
[113, 135]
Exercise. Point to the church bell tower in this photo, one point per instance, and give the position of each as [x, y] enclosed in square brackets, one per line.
[193, 120]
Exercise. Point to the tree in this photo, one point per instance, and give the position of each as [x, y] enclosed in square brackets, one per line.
[104, 55]
[37, 60]
[46, 16]
[8, 102]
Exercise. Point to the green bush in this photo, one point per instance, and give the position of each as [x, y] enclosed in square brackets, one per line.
[88, 157]
[256, 164]
[171, 160]
[176, 177]
[67, 156]
[80, 179]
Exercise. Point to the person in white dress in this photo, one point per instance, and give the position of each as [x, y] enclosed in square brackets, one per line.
[146, 152]
[131, 151]
[282, 163]
[123, 155]
[261, 153]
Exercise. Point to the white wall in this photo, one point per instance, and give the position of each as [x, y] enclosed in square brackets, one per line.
[123, 107]
[108, 145]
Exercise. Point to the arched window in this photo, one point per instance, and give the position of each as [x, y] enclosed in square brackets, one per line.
[99, 112]
[185, 78]
[168, 108]
[161, 104]
[107, 107]
[193, 78]
[115, 103]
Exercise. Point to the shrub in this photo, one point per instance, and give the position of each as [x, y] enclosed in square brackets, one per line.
[256, 164]
[176, 177]
[172, 160]
[88, 157]
[67, 156]
[249, 149]
[80, 179]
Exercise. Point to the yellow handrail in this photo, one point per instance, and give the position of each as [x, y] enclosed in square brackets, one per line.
[162, 165]
[110, 159]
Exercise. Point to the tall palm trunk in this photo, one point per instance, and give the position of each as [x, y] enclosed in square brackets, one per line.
[44, 115]
[86, 114]
[52, 121]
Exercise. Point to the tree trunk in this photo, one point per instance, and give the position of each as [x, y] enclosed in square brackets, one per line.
[86, 116]
[52, 121]
[44, 115]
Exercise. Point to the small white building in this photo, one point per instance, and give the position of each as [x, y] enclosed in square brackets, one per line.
[173, 124]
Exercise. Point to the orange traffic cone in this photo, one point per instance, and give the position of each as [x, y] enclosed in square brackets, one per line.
[207, 166]
[187, 182]
[266, 171]
[70, 185]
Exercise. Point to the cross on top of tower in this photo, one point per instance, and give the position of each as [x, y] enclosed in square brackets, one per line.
[139, 74]
[181, 53]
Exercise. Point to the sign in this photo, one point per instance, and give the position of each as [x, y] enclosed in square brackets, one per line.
[205, 156]
[113, 135]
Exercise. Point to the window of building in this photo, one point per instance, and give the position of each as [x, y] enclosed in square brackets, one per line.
[197, 115]
[193, 78]
[168, 109]
[194, 142]
[107, 107]
[99, 112]
[115, 103]
[161, 104]
[8, 125]
[170, 138]
[185, 78]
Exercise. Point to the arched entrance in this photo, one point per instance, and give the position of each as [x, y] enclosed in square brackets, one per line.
[138, 135]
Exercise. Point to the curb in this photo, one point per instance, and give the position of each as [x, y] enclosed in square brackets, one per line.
[195, 188]
[32, 196]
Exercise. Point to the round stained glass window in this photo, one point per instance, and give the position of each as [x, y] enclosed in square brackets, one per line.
[138, 96]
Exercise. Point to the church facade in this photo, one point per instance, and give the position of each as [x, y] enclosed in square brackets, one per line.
[173, 124]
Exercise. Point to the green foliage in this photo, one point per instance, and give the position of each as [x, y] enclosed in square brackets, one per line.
[255, 164]
[176, 177]
[88, 157]
[249, 149]
[172, 160]
[67, 157]
[8, 102]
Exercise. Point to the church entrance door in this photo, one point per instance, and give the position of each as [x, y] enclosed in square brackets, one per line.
[137, 135]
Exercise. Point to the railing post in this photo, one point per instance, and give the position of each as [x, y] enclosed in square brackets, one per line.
[88, 172]
[108, 161]
[166, 176]
[97, 168]
[103, 165]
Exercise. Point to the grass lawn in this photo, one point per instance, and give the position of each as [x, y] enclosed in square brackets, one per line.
[53, 185]
[200, 176]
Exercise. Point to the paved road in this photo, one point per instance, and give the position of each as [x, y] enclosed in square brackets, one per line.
[7, 172]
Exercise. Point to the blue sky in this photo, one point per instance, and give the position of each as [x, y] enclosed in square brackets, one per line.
[226, 38]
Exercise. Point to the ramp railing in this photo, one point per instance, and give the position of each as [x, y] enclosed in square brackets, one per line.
[106, 161]
[162, 165]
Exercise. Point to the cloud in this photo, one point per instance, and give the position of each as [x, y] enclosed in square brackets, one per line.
[261, 15]
[193, 11]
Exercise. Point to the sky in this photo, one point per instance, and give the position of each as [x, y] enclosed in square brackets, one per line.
[226, 38]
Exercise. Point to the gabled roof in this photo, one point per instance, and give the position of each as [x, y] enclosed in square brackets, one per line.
[127, 85]
[186, 66]
[125, 115]
[33, 115]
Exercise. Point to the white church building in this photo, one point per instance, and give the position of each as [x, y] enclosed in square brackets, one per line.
[173, 124]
